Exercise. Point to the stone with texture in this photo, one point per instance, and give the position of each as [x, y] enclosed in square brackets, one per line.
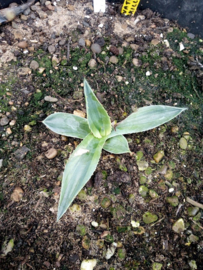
[21, 153]
[34, 65]
[96, 48]
[92, 63]
[113, 59]
[149, 218]
[4, 121]
[179, 226]
[51, 153]
[50, 99]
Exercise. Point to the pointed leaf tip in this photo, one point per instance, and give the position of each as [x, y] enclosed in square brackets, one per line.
[98, 119]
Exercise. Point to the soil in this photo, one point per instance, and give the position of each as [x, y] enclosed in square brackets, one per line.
[113, 198]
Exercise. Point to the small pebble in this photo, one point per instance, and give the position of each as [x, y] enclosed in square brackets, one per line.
[88, 264]
[179, 226]
[92, 63]
[81, 42]
[50, 99]
[113, 59]
[34, 65]
[17, 194]
[51, 153]
[4, 121]
[183, 143]
[51, 49]
[96, 48]
[23, 44]
[137, 62]
[27, 128]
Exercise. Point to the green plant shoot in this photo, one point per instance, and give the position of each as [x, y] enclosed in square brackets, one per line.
[97, 133]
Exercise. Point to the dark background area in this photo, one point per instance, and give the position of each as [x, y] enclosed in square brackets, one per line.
[187, 13]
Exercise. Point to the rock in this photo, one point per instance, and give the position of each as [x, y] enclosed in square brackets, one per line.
[179, 226]
[193, 265]
[55, 61]
[82, 195]
[119, 78]
[193, 238]
[158, 156]
[81, 42]
[114, 50]
[42, 14]
[169, 175]
[27, 12]
[79, 113]
[96, 48]
[190, 35]
[149, 218]
[105, 203]
[24, 71]
[23, 44]
[100, 41]
[51, 153]
[21, 153]
[143, 190]
[62, 42]
[27, 128]
[156, 266]
[95, 224]
[113, 59]
[155, 42]
[17, 194]
[121, 254]
[34, 65]
[88, 264]
[81, 230]
[134, 47]
[153, 194]
[86, 243]
[8, 131]
[87, 42]
[118, 176]
[1, 163]
[192, 211]
[50, 99]
[120, 50]
[183, 143]
[41, 70]
[51, 49]
[182, 47]
[4, 121]
[137, 62]
[18, 34]
[111, 250]
[7, 247]
[142, 165]
[75, 208]
[173, 200]
[92, 63]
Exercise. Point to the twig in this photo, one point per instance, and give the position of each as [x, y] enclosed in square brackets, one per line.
[198, 62]
[196, 223]
[195, 90]
[194, 203]
[157, 221]
[68, 49]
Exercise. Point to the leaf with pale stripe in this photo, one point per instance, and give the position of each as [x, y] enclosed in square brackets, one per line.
[117, 145]
[68, 125]
[98, 119]
[78, 170]
[146, 118]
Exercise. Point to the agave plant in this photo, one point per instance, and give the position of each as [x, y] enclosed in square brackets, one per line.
[97, 134]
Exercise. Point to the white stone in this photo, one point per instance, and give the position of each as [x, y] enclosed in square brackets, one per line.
[88, 264]
[135, 224]
[182, 47]
[111, 250]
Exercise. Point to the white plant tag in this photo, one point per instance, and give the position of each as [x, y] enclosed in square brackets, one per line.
[99, 5]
